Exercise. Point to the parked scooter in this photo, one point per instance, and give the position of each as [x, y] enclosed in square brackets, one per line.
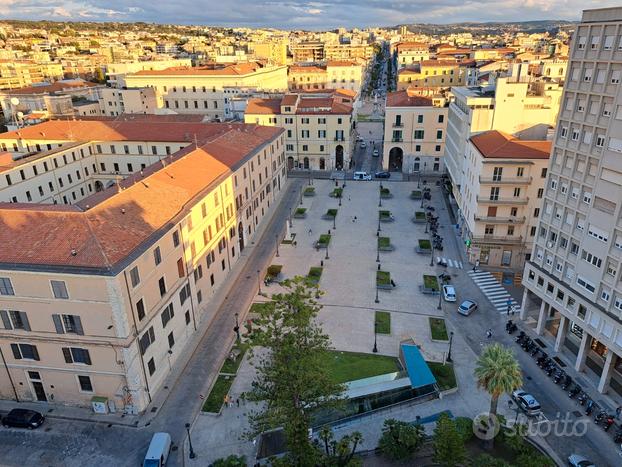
[607, 422]
[617, 438]
[550, 369]
[559, 375]
[574, 391]
[583, 398]
[600, 416]
[535, 351]
[513, 328]
[541, 359]
[567, 382]
[520, 337]
[590, 406]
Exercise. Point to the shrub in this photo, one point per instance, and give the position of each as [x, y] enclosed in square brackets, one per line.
[430, 282]
[400, 440]
[324, 239]
[425, 244]
[383, 278]
[438, 329]
[231, 461]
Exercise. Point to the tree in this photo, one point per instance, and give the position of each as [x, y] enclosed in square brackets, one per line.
[400, 440]
[448, 444]
[498, 372]
[292, 379]
[231, 461]
[99, 75]
[340, 453]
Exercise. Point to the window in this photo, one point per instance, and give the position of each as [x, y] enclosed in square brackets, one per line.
[441, 118]
[134, 276]
[146, 340]
[76, 355]
[59, 289]
[13, 319]
[140, 309]
[6, 287]
[187, 317]
[171, 340]
[85, 383]
[151, 366]
[585, 284]
[157, 256]
[167, 314]
[162, 286]
[184, 293]
[590, 258]
[419, 134]
[540, 192]
[516, 192]
[176, 239]
[439, 134]
[72, 324]
[25, 351]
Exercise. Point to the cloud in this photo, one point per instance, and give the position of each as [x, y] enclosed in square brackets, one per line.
[287, 14]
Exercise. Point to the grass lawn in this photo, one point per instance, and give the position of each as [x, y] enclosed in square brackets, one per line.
[383, 322]
[383, 278]
[430, 282]
[324, 239]
[300, 211]
[231, 366]
[350, 366]
[420, 215]
[384, 214]
[314, 274]
[384, 242]
[257, 307]
[309, 191]
[425, 244]
[331, 213]
[444, 374]
[216, 397]
[385, 191]
[438, 329]
[416, 194]
[337, 192]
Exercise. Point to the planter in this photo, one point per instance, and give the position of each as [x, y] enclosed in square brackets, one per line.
[416, 194]
[309, 191]
[384, 244]
[383, 280]
[419, 217]
[273, 272]
[323, 241]
[336, 193]
[424, 246]
[430, 285]
[330, 214]
[438, 330]
[386, 216]
[300, 213]
[385, 193]
[315, 273]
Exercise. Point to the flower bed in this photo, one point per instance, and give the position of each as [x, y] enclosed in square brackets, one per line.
[309, 191]
[419, 217]
[330, 214]
[438, 329]
[430, 284]
[273, 271]
[385, 193]
[300, 213]
[383, 322]
[323, 241]
[315, 273]
[386, 216]
[384, 244]
[336, 193]
[424, 246]
[383, 279]
[416, 194]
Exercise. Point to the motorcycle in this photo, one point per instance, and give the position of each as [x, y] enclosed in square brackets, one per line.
[574, 391]
[617, 438]
[590, 407]
[567, 382]
[535, 351]
[609, 420]
[558, 376]
[520, 337]
[550, 369]
[508, 324]
[513, 328]
[600, 417]
[541, 359]
[582, 399]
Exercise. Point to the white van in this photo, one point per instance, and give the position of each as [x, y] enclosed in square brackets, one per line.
[362, 176]
[158, 451]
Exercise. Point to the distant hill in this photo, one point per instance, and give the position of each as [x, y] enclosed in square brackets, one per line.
[489, 27]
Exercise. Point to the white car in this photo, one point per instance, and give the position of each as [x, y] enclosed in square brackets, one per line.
[449, 293]
[577, 460]
[527, 403]
[375, 153]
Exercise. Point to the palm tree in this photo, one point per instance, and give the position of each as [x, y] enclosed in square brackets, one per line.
[498, 372]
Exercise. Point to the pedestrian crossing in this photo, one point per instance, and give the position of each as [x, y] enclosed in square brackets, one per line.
[451, 263]
[494, 291]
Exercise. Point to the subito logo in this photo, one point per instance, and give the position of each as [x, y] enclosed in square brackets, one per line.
[486, 426]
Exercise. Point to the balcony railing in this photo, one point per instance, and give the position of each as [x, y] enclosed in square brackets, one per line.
[488, 200]
[397, 140]
[505, 180]
[501, 220]
[498, 239]
[340, 138]
[398, 125]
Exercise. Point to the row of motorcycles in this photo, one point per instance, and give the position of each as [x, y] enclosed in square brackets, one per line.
[560, 377]
[433, 223]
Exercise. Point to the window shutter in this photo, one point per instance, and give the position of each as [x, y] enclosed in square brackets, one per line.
[16, 353]
[24, 318]
[5, 319]
[58, 324]
[35, 353]
[78, 325]
[87, 357]
[67, 355]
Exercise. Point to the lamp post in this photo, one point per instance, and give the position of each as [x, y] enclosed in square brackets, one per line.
[380, 198]
[340, 199]
[432, 254]
[259, 281]
[440, 295]
[378, 250]
[419, 179]
[326, 257]
[379, 229]
[309, 176]
[375, 349]
[236, 329]
[451, 338]
[427, 222]
[276, 238]
[377, 300]
[192, 454]
[335, 217]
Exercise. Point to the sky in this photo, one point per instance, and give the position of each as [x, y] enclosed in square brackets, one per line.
[296, 14]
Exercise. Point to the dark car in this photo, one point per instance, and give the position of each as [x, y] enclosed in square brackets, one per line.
[382, 175]
[23, 418]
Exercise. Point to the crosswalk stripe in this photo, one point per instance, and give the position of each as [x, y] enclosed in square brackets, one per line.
[496, 294]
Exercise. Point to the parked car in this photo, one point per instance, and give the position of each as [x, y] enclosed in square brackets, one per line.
[442, 262]
[375, 153]
[577, 460]
[527, 403]
[382, 175]
[363, 144]
[23, 418]
[362, 176]
[449, 293]
[467, 307]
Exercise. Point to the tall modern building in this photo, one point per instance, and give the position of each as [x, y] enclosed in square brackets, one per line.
[574, 271]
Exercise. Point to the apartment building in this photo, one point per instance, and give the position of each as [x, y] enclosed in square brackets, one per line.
[574, 271]
[410, 53]
[273, 51]
[116, 72]
[114, 102]
[331, 75]
[502, 193]
[307, 51]
[339, 52]
[318, 127]
[101, 293]
[23, 73]
[414, 133]
[515, 104]
[207, 90]
[437, 74]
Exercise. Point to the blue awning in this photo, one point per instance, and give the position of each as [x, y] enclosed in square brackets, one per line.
[418, 370]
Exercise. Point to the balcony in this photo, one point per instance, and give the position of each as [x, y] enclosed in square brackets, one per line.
[501, 220]
[398, 125]
[505, 180]
[488, 200]
[397, 140]
[508, 240]
[340, 138]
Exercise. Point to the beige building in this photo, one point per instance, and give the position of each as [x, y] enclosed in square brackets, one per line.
[502, 194]
[318, 127]
[340, 52]
[114, 102]
[272, 51]
[436, 74]
[307, 51]
[331, 75]
[207, 90]
[116, 72]
[112, 301]
[573, 276]
[410, 53]
[23, 73]
[414, 133]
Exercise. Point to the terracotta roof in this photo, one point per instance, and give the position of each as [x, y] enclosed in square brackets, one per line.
[438, 63]
[411, 46]
[210, 69]
[498, 145]
[306, 105]
[405, 99]
[108, 227]
[307, 69]
[341, 63]
[264, 106]
[58, 86]
[289, 99]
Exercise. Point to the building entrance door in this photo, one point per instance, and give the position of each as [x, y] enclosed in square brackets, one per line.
[37, 386]
[506, 259]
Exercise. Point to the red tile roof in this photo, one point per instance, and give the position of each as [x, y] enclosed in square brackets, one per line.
[58, 86]
[406, 99]
[305, 105]
[108, 227]
[412, 46]
[264, 106]
[218, 69]
[498, 145]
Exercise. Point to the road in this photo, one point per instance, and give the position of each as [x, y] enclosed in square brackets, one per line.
[73, 443]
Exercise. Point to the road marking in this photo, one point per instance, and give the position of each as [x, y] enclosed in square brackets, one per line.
[496, 294]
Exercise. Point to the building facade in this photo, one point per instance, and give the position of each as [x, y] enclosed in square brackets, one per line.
[574, 272]
[114, 102]
[331, 75]
[409, 53]
[111, 303]
[436, 74]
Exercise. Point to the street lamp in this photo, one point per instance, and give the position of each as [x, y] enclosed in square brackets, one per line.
[259, 281]
[379, 229]
[192, 453]
[335, 217]
[340, 200]
[326, 257]
[237, 327]
[427, 222]
[375, 349]
[276, 237]
[451, 338]
[440, 295]
[377, 300]
[380, 198]
[377, 250]
[432, 254]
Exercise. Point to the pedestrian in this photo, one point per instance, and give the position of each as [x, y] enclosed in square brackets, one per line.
[237, 401]
[349, 199]
[226, 400]
[618, 412]
[355, 218]
[310, 231]
[489, 333]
